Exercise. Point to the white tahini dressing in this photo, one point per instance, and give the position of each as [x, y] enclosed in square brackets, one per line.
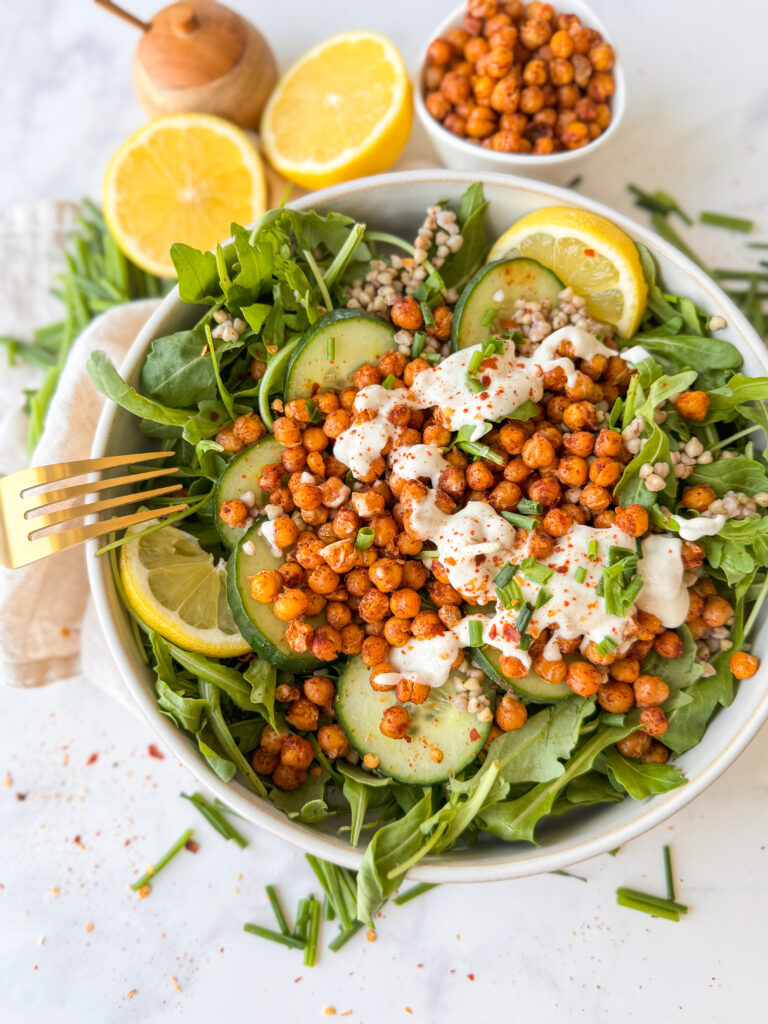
[635, 355]
[699, 526]
[474, 543]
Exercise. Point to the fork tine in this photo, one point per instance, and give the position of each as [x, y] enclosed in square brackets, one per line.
[44, 498]
[62, 515]
[36, 476]
[41, 547]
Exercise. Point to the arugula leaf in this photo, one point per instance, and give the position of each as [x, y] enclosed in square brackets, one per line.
[307, 803]
[631, 487]
[461, 265]
[526, 411]
[177, 697]
[197, 274]
[247, 733]
[176, 372]
[592, 788]
[642, 780]
[676, 672]
[262, 676]
[736, 474]
[391, 846]
[223, 766]
[725, 401]
[108, 381]
[361, 791]
[220, 729]
[688, 724]
[664, 388]
[687, 351]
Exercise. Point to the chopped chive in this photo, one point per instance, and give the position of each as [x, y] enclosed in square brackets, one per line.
[489, 316]
[302, 916]
[668, 876]
[535, 571]
[569, 874]
[525, 642]
[277, 910]
[611, 719]
[580, 575]
[314, 413]
[344, 936]
[413, 892]
[592, 550]
[506, 574]
[510, 595]
[313, 928]
[330, 349]
[426, 312]
[388, 381]
[665, 229]
[419, 341]
[722, 220]
[433, 357]
[475, 361]
[267, 933]
[575, 182]
[364, 537]
[654, 901]
[328, 912]
[160, 864]
[522, 522]
[528, 507]
[475, 633]
[616, 554]
[541, 598]
[475, 385]
[606, 645]
[215, 819]
[757, 245]
[524, 617]
[647, 908]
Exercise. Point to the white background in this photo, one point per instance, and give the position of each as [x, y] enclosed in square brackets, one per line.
[544, 949]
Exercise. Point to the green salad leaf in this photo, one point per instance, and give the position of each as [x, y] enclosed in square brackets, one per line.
[676, 672]
[642, 780]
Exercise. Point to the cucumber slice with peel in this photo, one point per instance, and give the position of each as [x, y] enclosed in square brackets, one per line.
[239, 477]
[517, 278]
[351, 337]
[436, 726]
[533, 686]
[257, 622]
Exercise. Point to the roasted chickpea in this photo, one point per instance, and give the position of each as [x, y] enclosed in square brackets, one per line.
[338, 614]
[299, 636]
[296, 752]
[583, 678]
[625, 670]
[352, 637]
[657, 753]
[228, 441]
[395, 722]
[405, 603]
[292, 574]
[481, 123]
[386, 574]
[443, 318]
[548, 492]
[535, 33]
[698, 498]
[234, 513]
[456, 125]
[320, 690]
[266, 585]
[632, 520]
[650, 691]
[561, 44]
[557, 522]
[654, 721]
[290, 604]
[440, 51]
[668, 644]
[397, 632]
[605, 472]
[572, 470]
[287, 432]
[270, 740]
[414, 575]
[374, 607]
[580, 443]
[743, 665]
[551, 671]
[456, 88]
[248, 429]
[479, 477]
[634, 745]
[540, 546]
[326, 643]
[322, 580]
[505, 496]
[303, 715]
[692, 405]
[426, 624]
[513, 668]
[409, 692]
[601, 86]
[264, 762]
[287, 778]
[458, 38]
[537, 452]
[616, 697]
[595, 498]
[510, 714]
[716, 612]
[531, 99]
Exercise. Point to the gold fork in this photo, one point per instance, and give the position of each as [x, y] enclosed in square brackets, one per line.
[25, 523]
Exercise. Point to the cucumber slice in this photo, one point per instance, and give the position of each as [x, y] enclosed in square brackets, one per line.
[518, 278]
[256, 621]
[358, 338]
[436, 724]
[533, 686]
[240, 476]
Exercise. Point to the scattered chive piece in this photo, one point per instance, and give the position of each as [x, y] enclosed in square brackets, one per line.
[364, 537]
[160, 864]
[505, 575]
[528, 507]
[665, 229]
[330, 349]
[647, 908]
[425, 555]
[328, 912]
[525, 642]
[475, 385]
[510, 595]
[652, 901]
[475, 633]
[569, 874]
[215, 819]
[575, 182]
[669, 877]
[489, 316]
[314, 413]
[277, 910]
[722, 220]
[607, 718]
[413, 892]
[344, 936]
[757, 245]
[433, 357]
[658, 202]
[524, 617]
[615, 554]
[614, 851]
[592, 550]
[606, 646]
[474, 363]
[522, 522]
[535, 571]
[313, 928]
[426, 312]
[541, 598]
[580, 575]
[302, 917]
[267, 933]
[419, 341]
[388, 381]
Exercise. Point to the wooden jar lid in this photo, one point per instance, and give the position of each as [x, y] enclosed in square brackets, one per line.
[192, 43]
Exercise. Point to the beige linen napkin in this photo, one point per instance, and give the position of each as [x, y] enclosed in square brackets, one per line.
[45, 617]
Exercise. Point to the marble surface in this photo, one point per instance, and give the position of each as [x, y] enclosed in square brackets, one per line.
[76, 944]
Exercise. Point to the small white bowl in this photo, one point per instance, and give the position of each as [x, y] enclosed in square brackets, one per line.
[397, 202]
[559, 168]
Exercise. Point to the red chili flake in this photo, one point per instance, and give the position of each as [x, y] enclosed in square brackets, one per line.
[154, 751]
[474, 735]
[213, 415]
[192, 846]
[589, 253]
[92, 759]
[471, 977]
[22, 796]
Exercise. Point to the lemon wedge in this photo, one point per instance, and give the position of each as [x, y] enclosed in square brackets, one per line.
[342, 111]
[181, 178]
[177, 589]
[588, 253]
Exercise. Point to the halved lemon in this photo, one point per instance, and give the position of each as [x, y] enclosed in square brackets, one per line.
[342, 111]
[589, 253]
[179, 591]
[181, 178]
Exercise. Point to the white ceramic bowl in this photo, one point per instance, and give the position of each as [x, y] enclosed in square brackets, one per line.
[397, 202]
[559, 168]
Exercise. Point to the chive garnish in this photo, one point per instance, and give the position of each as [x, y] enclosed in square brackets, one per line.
[652, 901]
[475, 361]
[616, 553]
[313, 928]
[433, 357]
[215, 819]
[364, 537]
[160, 864]
[344, 936]
[314, 413]
[535, 571]
[388, 381]
[267, 933]
[413, 892]
[419, 341]
[277, 910]
[668, 876]
[475, 385]
[528, 507]
[580, 575]
[426, 312]
[330, 349]
[524, 617]
[506, 574]
[592, 550]
[606, 645]
[510, 595]
[723, 220]
[541, 598]
[646, 908]
[525, 642]
[475, 633]
[522, 522]
[489, 316]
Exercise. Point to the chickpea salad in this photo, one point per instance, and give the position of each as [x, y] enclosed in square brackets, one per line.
[455, 556]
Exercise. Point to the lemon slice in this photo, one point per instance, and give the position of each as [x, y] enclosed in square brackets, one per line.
[178, 590]
[589, 253]
[181, 178]
[342, 111]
